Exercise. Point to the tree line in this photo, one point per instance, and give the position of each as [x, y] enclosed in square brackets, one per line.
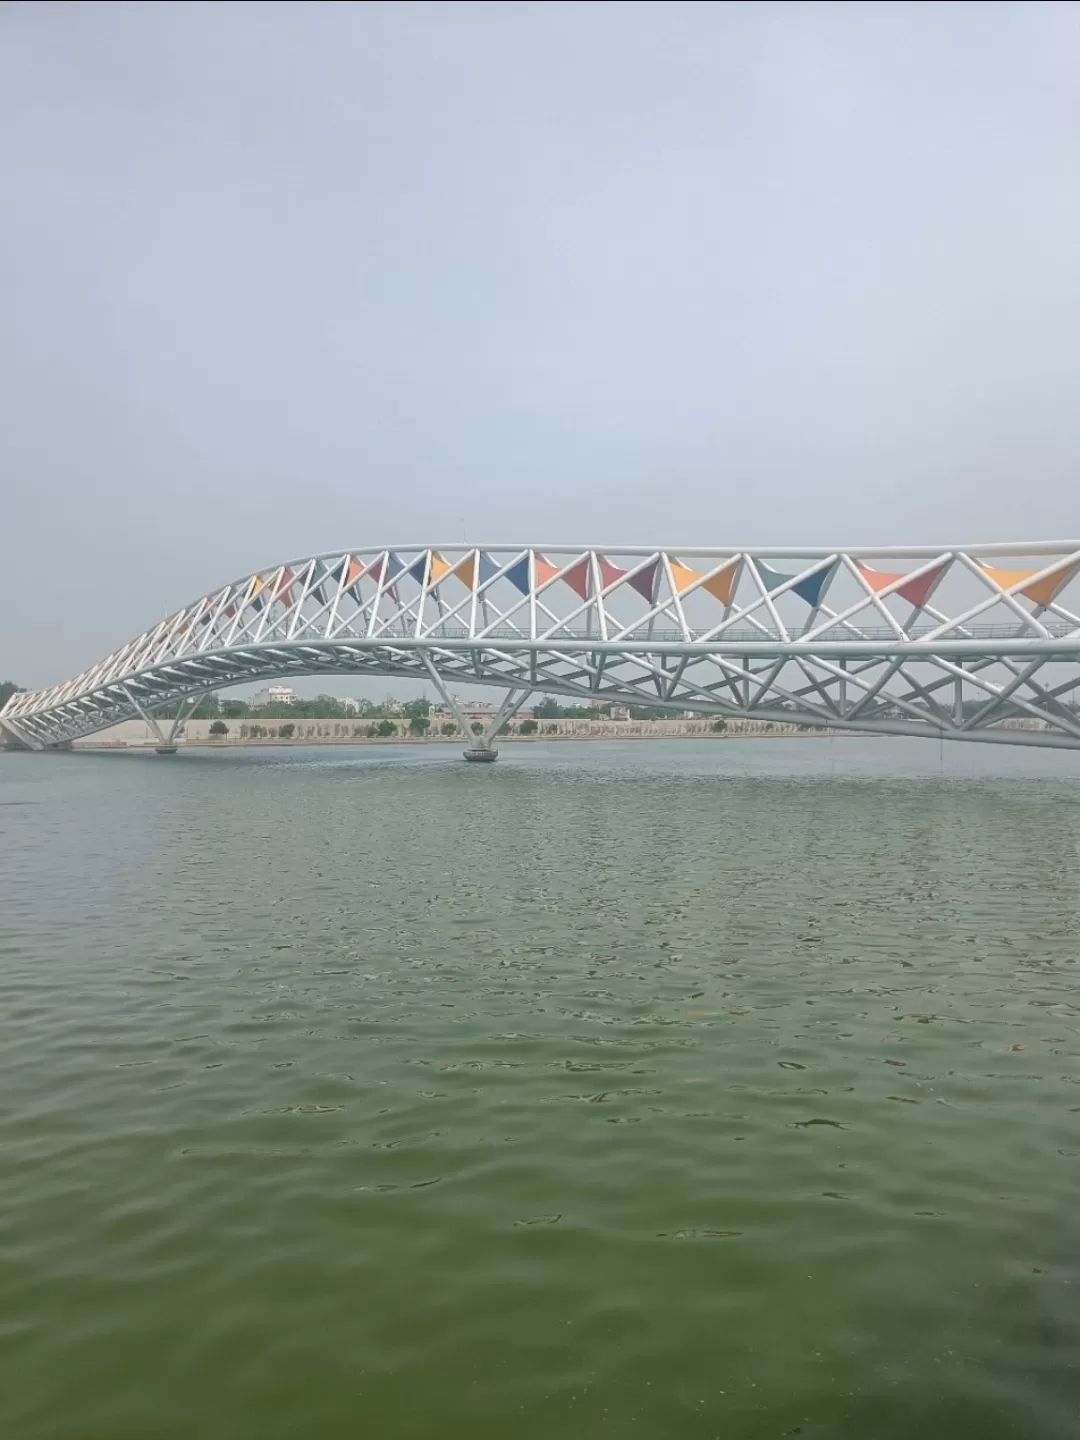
[326, 707]
[375, 712]
[418, 725]
[549, 709]
[322, 707]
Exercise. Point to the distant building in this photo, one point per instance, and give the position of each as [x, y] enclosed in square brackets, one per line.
[273, 695]
[475, 709]
[620, 712]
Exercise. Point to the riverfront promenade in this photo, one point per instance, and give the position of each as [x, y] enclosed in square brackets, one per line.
[135, 734]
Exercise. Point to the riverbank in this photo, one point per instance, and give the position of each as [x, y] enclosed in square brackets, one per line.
[138, 736]
[456, 740]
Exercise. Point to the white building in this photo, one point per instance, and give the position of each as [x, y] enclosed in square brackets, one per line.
[273, 695]
[475, 709]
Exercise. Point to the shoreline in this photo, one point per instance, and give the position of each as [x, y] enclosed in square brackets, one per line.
[275, 742]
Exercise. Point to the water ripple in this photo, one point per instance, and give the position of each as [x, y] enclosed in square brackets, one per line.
[673, 1093]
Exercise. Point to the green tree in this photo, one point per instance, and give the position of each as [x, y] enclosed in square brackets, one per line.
[419, 724]
[719, 726]
[417, 709]
[234, 709]
[287, 731]
[385, 728]
[449, 728]
[529, 727]
[477, 728]
[219, 728]
[7, 689]
[549, 709]
[323, 707]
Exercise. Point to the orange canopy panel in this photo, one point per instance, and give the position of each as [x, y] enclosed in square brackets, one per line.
[1007, 578]
[721, 585]
[1044, 591]
[1040, 592]
[683, 576]
[465, 570]
[878, 580]
[545, 570]
[439, 567]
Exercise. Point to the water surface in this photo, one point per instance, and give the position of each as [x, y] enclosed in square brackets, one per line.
[664, 1089]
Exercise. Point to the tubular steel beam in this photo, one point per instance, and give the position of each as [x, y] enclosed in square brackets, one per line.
[971, 643]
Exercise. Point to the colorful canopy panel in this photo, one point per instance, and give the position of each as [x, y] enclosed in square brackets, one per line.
[740, 583]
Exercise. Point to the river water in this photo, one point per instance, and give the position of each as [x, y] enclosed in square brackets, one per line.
[666, 1089]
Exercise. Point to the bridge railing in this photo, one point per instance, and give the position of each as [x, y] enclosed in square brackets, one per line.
[1057, 629]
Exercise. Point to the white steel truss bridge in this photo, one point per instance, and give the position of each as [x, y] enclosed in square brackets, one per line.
[964, 642]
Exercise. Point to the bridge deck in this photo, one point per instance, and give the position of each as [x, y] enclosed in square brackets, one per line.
[964, 643]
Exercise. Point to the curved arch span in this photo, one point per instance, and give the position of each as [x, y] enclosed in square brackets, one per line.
[956, 642]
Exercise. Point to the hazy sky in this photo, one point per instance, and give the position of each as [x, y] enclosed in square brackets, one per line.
[282, 277]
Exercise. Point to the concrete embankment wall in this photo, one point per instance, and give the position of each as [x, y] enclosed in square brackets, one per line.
[137, 734]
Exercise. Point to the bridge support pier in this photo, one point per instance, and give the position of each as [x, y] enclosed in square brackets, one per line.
[167, 743]
[480, 747]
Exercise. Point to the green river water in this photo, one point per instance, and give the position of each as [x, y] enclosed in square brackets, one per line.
[659, 1090]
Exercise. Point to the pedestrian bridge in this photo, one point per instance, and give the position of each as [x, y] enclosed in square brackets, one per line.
[971, 642]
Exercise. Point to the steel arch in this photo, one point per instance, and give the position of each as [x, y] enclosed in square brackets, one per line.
[958, 642]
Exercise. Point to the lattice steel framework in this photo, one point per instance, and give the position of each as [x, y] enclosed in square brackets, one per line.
[958, 642]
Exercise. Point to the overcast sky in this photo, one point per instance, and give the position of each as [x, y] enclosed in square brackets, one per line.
[283, 277]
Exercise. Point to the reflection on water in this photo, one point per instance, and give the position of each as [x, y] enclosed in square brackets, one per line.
[648, 1090]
